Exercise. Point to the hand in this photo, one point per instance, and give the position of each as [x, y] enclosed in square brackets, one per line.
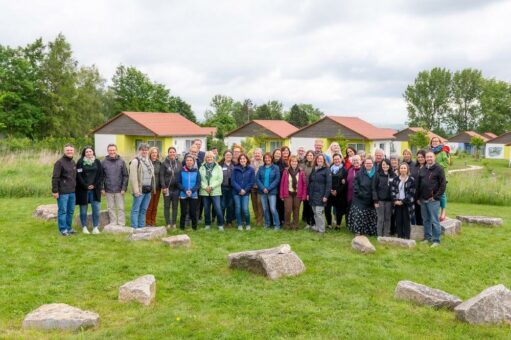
[103, 192]
[333, 192]
[307, 197]
[343, 181]
[325, 199]
[208, 190]
[376, 205]
[55, 195]
[419, 202]
[90, 187]
[137, 194]
[265, 191]
[242, 192]
[165, 191]
[398, 203]
[189, 193]
[123, 192]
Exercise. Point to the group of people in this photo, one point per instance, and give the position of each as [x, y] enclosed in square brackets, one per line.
[375, 195]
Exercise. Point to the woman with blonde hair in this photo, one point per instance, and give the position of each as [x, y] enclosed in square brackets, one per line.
[150, 217]
[211, 189]
[142, 182]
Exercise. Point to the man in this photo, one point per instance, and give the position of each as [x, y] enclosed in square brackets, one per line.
[200, 154]
[301, 156]
[63, 184]
[215, 152]
[431, 186]
[257, 206]
[194, 152]
[379, 155]
[115, 184]
[318, 150]
[236, 152]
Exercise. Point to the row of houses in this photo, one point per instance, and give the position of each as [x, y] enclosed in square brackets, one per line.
[129, 129]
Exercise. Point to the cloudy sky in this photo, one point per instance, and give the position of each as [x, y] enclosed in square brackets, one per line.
[344, 57]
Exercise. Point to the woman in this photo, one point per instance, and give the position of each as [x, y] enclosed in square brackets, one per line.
[242, 181]
[227, 199]
[350, 179]
[382, 198]
[442, 156]
[154, 157]
[307, 213]
[267, 180]
[189, 192]
[318, 190]
[170, 175]
[403, 196]
[362, 215]
[142, 183]
[211, 189]
[350, 152]
[419, 164]
[337, 197]
[293, 190]
[407, 158]
[281, 158]
[394, 164]
[333, 149]
[89, 175]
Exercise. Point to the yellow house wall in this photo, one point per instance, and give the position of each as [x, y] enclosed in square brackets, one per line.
[507, 152]
[126, 144]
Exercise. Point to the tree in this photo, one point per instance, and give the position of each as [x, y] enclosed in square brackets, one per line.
[176, 104]
[495, 107]
[270, 110]
[243, 112]
[297, 117]
[477, 143]
[220, 115]
[419, 140]
[466, 108]
[91, 101]
[428, 98]
[313, 114]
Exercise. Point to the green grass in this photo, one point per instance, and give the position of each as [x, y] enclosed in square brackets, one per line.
[342, 294]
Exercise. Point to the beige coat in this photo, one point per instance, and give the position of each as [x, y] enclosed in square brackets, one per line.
[136, 176]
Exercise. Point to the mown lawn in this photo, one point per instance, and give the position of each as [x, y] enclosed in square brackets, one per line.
[342, 294]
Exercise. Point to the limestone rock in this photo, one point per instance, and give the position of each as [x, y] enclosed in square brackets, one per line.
[48, 212]
[104, 219]
[177, 241]
[142, 290]
[395, 241]
[362, 244]
[483, 220]
[417, 232]
[492, 305]
[451, 226]
[147, 233]
[117, 229]
[60, 316]
[272, 263]
[424, 295]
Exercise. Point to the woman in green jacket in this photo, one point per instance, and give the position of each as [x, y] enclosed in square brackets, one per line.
[442, 155]
[211, 189]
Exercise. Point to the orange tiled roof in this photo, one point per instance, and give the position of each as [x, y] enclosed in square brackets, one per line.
[364, 128]
[167, 124]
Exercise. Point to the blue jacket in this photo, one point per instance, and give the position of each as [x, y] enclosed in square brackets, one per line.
[190, 180]
[242, 179]
[274, 179]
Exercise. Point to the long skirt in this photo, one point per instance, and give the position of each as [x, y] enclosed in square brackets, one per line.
[362, 220]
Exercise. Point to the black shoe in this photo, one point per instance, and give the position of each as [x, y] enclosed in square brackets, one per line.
[71, 231]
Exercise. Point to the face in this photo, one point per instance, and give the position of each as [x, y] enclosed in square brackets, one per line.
[228, 157]
[285, 153]
[267, 160]
[112, 151]
[198, 144]
[435, 142]
[189, 162]
[430, 158]
[318, 147]
[336, 148]
[258, 155]
[351, 153]
[368, 164]
[407, 156]
[301, 152]
[144, 153]
[356, 162]
[385, 166]
[154, 155]
[310, 157]
[194, 152]
[403, 170]
[69, 151]
[172, 154]
[243, 161]
[236, 153]
[378, 156]
[277, 155]
[215, 152]
[337, 160]
[210, 159]
[294, 163]
[89, 153]
[394, 163]
[320, 161]
[420, 159]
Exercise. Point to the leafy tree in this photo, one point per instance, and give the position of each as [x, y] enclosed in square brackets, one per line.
[478, 144]
[270, 110]
[466, 91]
[220, 115]
[297, 116]
[243, 112]
[495, 107]
[419, 140]
[91, 101]
[176, 104]
[313, 114]
[428, 98]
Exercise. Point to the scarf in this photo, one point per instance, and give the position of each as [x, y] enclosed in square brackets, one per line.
[294, 177]
[371, 173]
[334, 169]
[89, 162]
[147, 164]
[209, 171]
[437, 149]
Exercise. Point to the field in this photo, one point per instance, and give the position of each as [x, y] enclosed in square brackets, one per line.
[342, 294]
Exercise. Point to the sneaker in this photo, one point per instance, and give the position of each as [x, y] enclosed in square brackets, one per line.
[329, 227]
[71, 231]
[425, 242]
[307, 227]
[277, 228]
[240, 228]
[220, 228]
[247, 227]
[96, 231]
[435, 244]
[207, 227]
[64, 233]
[167, 227]
[85, 230]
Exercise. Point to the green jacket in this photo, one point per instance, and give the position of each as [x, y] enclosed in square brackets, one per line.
[215, 181]
[442, 160]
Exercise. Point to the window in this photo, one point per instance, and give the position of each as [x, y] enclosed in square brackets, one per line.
[358, 147]
[382, 146]
[188, 144]
[263, 147]
[392, 147]
[137, 143]
[156, 143]
[275, 145]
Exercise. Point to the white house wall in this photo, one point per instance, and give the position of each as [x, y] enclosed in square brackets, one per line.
[230, 141]
[101, 142]
[180, 143]
[386, 147]
[494, 151]
[307, 143]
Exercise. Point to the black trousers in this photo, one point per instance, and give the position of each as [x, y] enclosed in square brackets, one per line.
[308, 214]
[334, 202]
[402, 218]
[188, 207]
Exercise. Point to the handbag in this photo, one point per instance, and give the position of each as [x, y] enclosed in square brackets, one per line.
[147, 189]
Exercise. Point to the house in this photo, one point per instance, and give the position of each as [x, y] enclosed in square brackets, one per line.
[403, 140]
[500, 147]
[462, 142]
[272, 134]
[359, 134]
[163, 130]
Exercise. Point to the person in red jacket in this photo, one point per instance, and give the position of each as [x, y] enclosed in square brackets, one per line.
[293, 190]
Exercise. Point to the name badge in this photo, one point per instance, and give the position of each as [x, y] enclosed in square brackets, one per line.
[225, 169]
[79, 170]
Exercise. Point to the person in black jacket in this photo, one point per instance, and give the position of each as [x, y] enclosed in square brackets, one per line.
[381, 197]
[170, 175]
[63, 186]
[89, 176]
[362, 215]
[115, 184]
[403, 196]
[318, 190]
[414, 172]
[337, 198]
[431, 187]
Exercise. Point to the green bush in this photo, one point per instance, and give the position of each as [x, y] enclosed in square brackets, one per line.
[13, 144]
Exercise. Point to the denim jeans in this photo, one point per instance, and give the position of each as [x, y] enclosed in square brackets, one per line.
[207, 201]
[269, 203]
[227, 204]
[138, 210]
[429, 212]
[95, 210]
[241, 206]
[66, 209]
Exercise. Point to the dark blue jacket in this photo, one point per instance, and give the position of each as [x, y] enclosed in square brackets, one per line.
[190, 180]
[242, 179]
[320, 184]
[273, 188]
